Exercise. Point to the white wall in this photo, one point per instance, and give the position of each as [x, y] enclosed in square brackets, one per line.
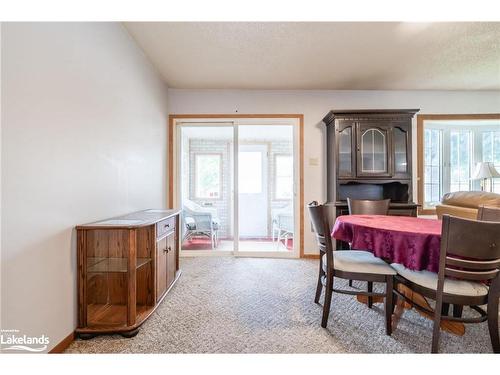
[315, 105]
[84, 138]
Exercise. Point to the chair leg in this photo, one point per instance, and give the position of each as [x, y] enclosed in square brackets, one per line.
[370, 289]
[457, 311]
[395, 297]
[319, 286]
[493, 319]
[328, 301]
[436, 331]
[389, 296]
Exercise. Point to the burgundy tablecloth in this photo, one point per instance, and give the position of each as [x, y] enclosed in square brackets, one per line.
[411, 241]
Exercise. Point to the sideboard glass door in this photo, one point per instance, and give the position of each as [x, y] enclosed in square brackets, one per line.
[107, 261]
[373, 145]
[401, 151]
[345, 146]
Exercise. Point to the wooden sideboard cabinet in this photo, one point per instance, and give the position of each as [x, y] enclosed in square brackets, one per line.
[126, 266]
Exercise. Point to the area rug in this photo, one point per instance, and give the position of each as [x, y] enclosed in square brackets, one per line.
[259, 305]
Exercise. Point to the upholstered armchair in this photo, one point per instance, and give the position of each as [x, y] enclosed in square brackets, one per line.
[200, 221]
[465, 204]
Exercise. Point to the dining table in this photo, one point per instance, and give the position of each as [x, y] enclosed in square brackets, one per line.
[411, 241]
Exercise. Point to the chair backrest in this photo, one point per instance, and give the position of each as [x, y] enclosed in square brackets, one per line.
[285, 222]
[189, 205]
[470, 249]
[321, 226]
[488, 213]
[368, 207]
[193, 208]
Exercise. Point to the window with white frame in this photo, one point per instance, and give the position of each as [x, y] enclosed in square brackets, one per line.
[208, 176]
[451, 151]
[283, 177]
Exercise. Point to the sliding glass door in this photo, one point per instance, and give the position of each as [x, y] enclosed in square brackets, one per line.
[265, 188]
[236, 187]
[206, 186]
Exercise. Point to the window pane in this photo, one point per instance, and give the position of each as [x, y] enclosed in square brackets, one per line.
[435, 193]
[435, 174]
[284, 188]
[432, 167]
[460, 160]
[428, 174]
[284, 177]
[284, 165]
[208, 175]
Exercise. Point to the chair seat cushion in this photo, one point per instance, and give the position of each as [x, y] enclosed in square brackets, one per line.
[429, 280]
[358, 261]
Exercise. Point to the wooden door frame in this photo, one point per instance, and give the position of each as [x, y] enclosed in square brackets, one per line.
[170, 156]
[420, 148]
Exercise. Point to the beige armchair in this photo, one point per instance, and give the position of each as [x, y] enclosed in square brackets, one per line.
[465, 204]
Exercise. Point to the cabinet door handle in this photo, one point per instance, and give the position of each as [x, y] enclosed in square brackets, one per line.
[165, 250]
[169, 249]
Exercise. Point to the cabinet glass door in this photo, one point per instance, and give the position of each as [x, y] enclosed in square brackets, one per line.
[400, 138]
[373, 150]
[107, 276]
[345, 152]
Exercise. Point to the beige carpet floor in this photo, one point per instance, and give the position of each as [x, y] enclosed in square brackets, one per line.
[252, 305]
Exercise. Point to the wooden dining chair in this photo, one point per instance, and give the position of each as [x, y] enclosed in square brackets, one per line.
[469, 268]
[347, 264]
[486, 213]
[368, 207]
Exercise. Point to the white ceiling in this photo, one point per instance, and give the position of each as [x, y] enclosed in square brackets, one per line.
[332, 55]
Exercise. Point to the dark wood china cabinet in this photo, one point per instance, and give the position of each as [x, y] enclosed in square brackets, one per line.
[369, 157]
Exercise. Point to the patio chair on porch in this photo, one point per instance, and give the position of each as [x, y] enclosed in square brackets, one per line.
[283, 225]
[200, 221]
